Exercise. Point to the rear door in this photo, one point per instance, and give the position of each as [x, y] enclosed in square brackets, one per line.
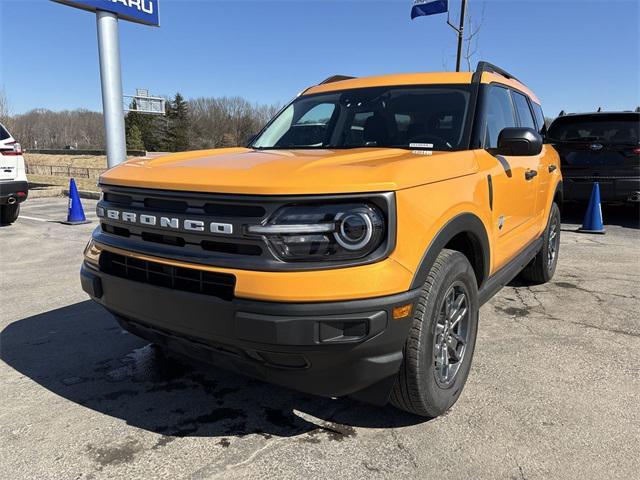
[8, 159]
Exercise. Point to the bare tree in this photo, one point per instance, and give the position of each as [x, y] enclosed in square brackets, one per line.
[226, 121]
[47, 129]
[471, 41]
[5, 108]
[214, 122]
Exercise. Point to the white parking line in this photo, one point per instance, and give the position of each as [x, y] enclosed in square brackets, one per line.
[34, 218]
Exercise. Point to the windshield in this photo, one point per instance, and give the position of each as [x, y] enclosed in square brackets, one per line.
[425, 117]
[620, 128]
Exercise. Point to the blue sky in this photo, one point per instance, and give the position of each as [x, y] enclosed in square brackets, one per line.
[576, 55]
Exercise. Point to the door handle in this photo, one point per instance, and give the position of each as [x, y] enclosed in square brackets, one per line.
[552, 168]
[529, 174]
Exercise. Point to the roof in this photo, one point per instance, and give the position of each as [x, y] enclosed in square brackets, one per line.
[582, 114]
[453, 78]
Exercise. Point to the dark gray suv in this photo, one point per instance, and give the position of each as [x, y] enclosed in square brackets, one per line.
[599, 147]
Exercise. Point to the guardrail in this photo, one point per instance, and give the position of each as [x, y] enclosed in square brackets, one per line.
[62, 151]
[63, 171]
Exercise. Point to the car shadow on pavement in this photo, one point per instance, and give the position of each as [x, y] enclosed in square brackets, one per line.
[80, 353]
[623, 215]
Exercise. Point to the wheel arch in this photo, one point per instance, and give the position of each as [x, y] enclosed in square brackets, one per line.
[558, 195]
[465, 233]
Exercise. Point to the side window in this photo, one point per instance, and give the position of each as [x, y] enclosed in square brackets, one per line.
[537, 110]
[500, 114]
[318, 115]
[524, 112]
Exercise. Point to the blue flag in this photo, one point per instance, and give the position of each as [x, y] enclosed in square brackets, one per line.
[428, 7]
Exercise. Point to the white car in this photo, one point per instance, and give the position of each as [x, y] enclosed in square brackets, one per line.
[14, 188]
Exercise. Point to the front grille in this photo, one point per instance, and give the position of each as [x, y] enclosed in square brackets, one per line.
[217, 208]
[232, 249]
[154, 222]
[216, 284]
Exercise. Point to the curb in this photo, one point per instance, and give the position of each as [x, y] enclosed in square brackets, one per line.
[45, 192]
[49, 192]
[84, 194]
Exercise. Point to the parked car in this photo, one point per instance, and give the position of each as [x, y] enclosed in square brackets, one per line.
[14, 188]
[601, 147]
[348, 248]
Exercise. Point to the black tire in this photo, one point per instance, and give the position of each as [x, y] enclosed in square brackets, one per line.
[543, 266]
[9, 213]
[419, 388]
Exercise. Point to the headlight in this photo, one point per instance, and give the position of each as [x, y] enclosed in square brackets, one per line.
[341, 231]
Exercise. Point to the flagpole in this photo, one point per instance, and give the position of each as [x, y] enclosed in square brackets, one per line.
[461, 34]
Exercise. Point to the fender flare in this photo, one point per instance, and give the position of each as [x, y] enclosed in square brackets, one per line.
[463, 223]
[558, 193]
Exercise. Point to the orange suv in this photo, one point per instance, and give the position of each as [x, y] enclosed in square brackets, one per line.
[347, 249]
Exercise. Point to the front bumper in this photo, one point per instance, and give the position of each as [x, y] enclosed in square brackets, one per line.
[13, 192]
[612, 189]
[329, 349]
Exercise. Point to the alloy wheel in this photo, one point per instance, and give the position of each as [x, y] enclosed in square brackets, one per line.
[452, 334]
[554, 238]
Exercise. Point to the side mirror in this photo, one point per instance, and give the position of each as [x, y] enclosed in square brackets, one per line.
[251, 139]
[519, 141]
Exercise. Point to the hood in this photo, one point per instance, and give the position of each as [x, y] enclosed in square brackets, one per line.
[291, 172]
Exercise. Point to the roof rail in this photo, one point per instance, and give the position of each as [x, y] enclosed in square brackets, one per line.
[491, 68]
[335, 78]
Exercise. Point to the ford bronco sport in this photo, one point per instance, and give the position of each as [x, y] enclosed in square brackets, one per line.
[347, 249]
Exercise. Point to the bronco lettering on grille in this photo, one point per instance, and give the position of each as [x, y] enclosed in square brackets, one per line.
[173, 223]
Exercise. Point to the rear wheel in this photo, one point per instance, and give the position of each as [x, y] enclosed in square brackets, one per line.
[9, 213]
[439, 349]
[543, 266]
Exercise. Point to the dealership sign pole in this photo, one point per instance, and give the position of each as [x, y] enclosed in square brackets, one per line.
[107, 14]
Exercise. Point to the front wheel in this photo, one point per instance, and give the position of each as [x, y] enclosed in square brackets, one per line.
[439, 349]
[9, 213]
[543, 266]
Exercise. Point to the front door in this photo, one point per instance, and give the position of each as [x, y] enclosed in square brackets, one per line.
[514, 180]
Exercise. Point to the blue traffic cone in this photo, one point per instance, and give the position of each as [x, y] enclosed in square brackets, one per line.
[592, 222]
[75, 216]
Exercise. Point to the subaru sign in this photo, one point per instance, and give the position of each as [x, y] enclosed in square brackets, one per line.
[139, 11]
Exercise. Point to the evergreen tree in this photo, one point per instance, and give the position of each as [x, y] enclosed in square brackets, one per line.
[151, 128]
[134, 138]
[177, 125]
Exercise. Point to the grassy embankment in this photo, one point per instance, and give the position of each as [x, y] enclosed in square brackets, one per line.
[62, 179]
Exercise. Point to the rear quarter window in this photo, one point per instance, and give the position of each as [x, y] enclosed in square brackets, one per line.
[3, 133]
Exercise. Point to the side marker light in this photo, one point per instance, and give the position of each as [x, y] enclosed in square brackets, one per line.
[402, 312]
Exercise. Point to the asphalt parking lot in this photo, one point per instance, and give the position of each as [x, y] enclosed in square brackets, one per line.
[553, 392]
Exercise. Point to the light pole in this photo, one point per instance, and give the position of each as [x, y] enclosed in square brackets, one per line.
[111, 79]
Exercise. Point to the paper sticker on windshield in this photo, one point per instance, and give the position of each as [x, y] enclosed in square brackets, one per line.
[421, 145]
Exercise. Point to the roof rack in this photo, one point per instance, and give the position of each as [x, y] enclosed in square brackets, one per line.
[335, 78]
[491, 68]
